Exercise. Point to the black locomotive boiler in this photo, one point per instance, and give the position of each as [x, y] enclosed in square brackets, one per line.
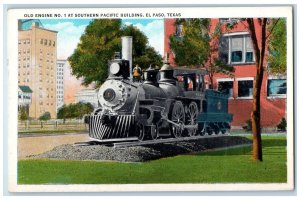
[169, 102]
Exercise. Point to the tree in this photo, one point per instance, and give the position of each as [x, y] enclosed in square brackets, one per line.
[258, 28]
[102, 38]
[72, 111]
[277, 46]
[46, 116]
[24, 113]
[191, 47]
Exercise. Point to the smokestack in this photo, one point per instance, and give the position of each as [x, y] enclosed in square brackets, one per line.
[127, 51]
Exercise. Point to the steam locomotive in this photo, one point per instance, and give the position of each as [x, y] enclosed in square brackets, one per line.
[169, 102]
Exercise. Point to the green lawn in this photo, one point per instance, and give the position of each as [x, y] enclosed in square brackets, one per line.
[230, 166]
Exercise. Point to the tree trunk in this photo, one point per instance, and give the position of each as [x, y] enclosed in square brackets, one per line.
[259, 52]
[255, 118]
[211, 79]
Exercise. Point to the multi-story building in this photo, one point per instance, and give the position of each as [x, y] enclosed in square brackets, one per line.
[37, 66]
[235, 49]
[60, 83]
[87, 96]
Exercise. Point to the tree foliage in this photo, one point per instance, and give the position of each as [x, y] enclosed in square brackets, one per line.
[24, 113]
[46, 116]
[102, 38]
[191, 48]
[277, 46]
[76, 110]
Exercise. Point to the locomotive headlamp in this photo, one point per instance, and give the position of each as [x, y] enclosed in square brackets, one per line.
[109, 95]
[114, 68]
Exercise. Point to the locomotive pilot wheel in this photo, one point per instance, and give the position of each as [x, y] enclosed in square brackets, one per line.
[177, 117]
[191, 118]
[140, 131]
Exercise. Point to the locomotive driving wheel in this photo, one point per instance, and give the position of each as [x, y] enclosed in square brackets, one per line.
[191, 118]
[177, 117]
[154, 133]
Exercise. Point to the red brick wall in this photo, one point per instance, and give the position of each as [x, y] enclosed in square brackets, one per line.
[170, 29]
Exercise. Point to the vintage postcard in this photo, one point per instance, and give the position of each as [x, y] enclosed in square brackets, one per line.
[151, 99]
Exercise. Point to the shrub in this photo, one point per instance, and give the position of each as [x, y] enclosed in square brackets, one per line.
[282, 125]
[248, 125]
[46, 116]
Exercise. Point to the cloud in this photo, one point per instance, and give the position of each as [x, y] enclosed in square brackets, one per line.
[67, 37]
[155, 33]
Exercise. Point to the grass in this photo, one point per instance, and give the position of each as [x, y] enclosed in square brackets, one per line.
[230, 166]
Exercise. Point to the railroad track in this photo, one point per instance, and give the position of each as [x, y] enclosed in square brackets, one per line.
[131, 142]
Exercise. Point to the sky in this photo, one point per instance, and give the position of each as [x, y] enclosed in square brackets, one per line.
[70, 30]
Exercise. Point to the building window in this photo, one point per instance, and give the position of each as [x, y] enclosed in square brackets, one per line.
[235, 49]
[54, 43]
[28, 41]
[45, 42]
[276, 88]
[228, 20]
[226, 87]
[179, 30]
[245, 88]
[19, 42]
[50, 42]
[41, 41]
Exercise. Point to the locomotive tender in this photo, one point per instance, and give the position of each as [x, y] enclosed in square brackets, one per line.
[169, 102]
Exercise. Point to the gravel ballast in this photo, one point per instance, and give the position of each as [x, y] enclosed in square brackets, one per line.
[141, 153]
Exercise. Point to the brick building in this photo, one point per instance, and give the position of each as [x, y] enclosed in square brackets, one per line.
[37, 65]
[235, 48]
